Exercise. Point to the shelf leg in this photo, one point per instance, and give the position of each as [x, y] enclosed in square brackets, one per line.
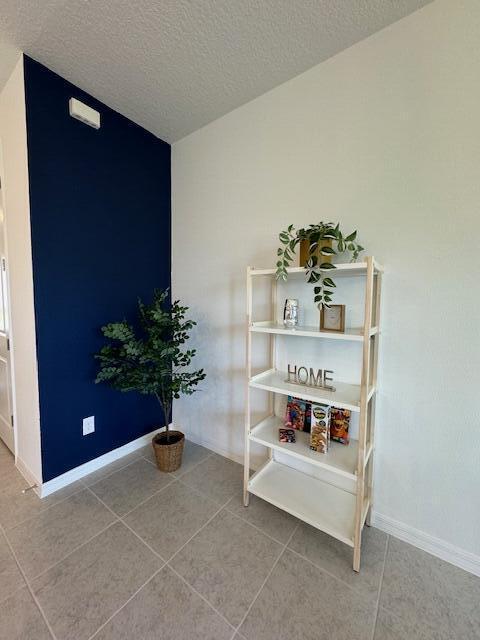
[373, 405]
[246, 495]
[368, 519]
[363, 424]
[357, 553]
[248, 358]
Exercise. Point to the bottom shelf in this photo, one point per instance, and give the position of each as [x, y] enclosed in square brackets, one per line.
[321, 505]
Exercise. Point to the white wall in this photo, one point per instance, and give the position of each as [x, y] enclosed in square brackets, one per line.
[384, 137]
[13, 142]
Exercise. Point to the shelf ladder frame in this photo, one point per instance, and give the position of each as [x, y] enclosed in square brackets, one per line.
[366, 422]
[364, 470]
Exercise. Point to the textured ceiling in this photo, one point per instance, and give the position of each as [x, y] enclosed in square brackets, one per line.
[175, 65]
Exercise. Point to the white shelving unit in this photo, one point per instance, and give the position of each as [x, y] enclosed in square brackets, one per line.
[320, 501]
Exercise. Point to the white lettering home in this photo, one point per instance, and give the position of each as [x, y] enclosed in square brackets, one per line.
[322, 378]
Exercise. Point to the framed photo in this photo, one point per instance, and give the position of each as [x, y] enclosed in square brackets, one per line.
[333, 319]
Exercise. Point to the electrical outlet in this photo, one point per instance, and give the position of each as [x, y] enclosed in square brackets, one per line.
[88, 425]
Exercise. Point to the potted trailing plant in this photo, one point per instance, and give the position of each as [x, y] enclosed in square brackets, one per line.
[318, 243]
[150, 359]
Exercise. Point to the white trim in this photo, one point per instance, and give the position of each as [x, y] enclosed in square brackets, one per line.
[27, 474]
[73, 475]
[11, 362]
[437, 547]
[213, 446]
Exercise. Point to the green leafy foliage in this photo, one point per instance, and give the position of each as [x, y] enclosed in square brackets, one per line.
[315, 270]
[151, 358]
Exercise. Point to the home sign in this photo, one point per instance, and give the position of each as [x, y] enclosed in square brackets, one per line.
[320, 379]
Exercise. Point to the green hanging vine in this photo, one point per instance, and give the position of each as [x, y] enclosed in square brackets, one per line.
[325, 239]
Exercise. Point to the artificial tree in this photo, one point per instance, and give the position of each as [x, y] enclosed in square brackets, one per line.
[149, 358]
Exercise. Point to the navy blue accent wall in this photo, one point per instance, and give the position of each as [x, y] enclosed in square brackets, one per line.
[100, 224]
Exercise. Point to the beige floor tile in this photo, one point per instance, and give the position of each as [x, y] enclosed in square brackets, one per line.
[389, 627]
[272, 521]
[48, 537]
[168, 519]
[16, 507]
[125, 489]
[419, 587]
[301, 602]
[108, 469]
[192, 455]
[10, 577]
[166, 609]
[216, 477]
[227, 563]
[20, 618]
[336, 558]
[82, 592]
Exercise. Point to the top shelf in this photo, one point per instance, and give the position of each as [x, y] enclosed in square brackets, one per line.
[278, 328]
[342, 269]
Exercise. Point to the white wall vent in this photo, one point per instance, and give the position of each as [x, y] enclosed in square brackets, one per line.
[84, 113]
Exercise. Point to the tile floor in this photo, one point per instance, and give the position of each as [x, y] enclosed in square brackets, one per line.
[131, 553]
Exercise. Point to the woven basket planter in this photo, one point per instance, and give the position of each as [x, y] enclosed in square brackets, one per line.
[168, 456]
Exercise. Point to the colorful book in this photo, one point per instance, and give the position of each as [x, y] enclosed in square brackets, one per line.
[286, 435]
[340, 425]
[320, 428]
[298, 414]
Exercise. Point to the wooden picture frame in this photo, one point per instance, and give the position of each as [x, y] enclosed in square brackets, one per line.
[326, 323]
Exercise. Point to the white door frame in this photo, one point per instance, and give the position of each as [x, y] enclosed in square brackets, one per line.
[13, 404]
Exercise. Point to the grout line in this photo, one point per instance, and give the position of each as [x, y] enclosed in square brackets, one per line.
[126, 602]
[119, 519]
[195, 465]
[38, 575]
[143, 541]
[84, 486]
[149, 461]
[377, 606]
[237, 515]
[197, 532]
[394, 613]
[282, 551]
[167, 563]
[222, 506]
[332, 575]
[169, 484]
[129, 464]
[154, 464]
[22, 586]
[204, 494]
[172, 476]
[201, 596]
[439, 635]
[27, 585]
[17, 524]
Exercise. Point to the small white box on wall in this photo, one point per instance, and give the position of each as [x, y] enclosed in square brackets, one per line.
[84, 113]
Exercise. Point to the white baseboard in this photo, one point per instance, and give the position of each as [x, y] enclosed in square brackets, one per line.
[213, 446]
[28, 475]
[73, 475]
[437, 547]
